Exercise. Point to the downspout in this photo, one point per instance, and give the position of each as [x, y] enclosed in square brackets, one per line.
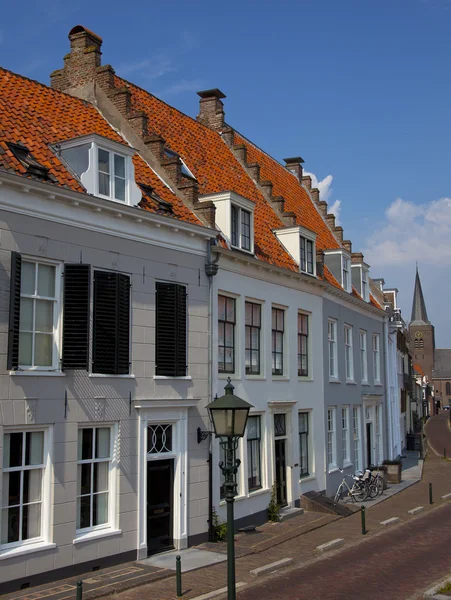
[211, 269]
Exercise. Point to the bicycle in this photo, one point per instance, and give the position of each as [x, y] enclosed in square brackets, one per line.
[375, 485]
[358, 492]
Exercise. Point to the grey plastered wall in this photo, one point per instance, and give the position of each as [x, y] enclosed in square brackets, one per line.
[103, 399]
[338, 394]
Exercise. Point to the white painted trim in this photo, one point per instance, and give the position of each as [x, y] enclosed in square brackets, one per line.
[96, 534]
[29, 549]
[34, 373]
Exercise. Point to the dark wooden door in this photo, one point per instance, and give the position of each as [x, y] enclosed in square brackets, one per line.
[281, 472]
[160, 496]
[369, 443]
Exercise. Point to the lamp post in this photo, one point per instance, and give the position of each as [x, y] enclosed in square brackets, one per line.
[229, 415]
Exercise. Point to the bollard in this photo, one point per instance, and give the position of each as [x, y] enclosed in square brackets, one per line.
[178, 576]
[430, 494]
[362, 513]
[80, 590]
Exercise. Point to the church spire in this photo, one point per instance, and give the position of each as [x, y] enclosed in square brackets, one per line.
[419, 314]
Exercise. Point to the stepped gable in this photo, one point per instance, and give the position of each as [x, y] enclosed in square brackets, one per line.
[296, 197]
[214, 166]
[38, 116]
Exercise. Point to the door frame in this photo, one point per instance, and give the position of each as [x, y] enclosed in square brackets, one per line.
[171, 500]
[285, 407]
[154, 412]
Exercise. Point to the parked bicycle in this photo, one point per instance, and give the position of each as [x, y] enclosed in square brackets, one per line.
[358, 492]
[376, 483]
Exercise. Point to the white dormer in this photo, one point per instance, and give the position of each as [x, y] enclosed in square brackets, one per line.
[104, 167]
[301, 244]
[339, 263]
[235, 218]
[361, 279]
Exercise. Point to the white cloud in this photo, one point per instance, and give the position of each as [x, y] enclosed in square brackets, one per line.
[325, 193]
[178, 87]
[412, 232]
[149, 68]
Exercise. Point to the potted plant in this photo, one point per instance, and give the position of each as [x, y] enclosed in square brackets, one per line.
[393, 470]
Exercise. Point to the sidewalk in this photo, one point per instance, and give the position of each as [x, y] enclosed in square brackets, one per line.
[296, 538]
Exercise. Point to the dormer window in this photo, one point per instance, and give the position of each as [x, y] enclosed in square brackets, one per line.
[104, 167]
[300, 243]
[360, 277]
[339, 263]
[365, 288]
[235, 218]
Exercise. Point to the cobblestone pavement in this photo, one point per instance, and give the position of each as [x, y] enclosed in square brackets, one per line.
[391, 563]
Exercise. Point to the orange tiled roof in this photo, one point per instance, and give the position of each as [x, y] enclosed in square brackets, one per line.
[374, 302]
[214, 165]
[418, 369]
[38, 116]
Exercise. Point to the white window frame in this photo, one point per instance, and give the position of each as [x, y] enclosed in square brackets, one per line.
[112, 175]
[332, 346]
[345, 437]
[363, 355]
[349, 353]
[356, 431]
[365, 285]
[309, 445]
[346, 273]
[111, 525]
[305, 241]
[239, 232]
[376, 358]
[331, 450]
[43, 540]
[57, 314]
[261, 419]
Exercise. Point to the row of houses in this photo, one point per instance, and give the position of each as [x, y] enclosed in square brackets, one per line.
[147, 258]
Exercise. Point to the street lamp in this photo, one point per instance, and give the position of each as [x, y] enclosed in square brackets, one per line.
[229, 417]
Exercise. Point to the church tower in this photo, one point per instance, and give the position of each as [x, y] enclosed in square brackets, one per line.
[422, 336]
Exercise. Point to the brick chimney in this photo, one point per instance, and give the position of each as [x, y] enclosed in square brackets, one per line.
[357, 257]
[81, 63]
[294, 165]
[211, 109]
[347, 245]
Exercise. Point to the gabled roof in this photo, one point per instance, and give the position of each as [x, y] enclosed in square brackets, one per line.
[419, 313]
[38, 116]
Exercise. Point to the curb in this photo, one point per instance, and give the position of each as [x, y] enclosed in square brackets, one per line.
[330, 545]
[271, 567]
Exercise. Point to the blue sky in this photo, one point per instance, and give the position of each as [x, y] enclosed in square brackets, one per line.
[360, 89]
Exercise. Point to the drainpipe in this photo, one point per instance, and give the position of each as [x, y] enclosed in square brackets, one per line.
[211, 269]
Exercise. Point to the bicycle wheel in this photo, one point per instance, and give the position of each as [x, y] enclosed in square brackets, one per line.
[360, 492]
[380, 486]
[338, 494]
[373, 490]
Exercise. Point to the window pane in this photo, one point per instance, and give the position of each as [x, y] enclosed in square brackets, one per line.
[256, 314]
[10, 525]
[84, 444]
[101, 477]
[104, 184]
[25, 343]
[252, 427]
[31, 521]
[34, 448]
[83, 512]
[43, 350]
[229, 334]
[119, 188]
[255, 338]
[27, 278]
[248, 313]
[221, 308]
[11, 488]
[44, 316]
[84, 479]
[100, 509]
[32, 485]
[46, 281]
[102, 442]
[26, 314]
[231, 310]
[119, 166]
[12, 451]
[104, 161]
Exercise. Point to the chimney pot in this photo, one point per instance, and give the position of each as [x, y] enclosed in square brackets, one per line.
[211, 109]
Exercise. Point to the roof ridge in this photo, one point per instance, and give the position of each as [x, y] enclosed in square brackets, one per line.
[47, 87]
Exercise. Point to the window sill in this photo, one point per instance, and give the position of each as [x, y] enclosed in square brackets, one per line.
[255, 377]
[96, 535]
[233, 376]
[378, 384]
[307, 478]
[169, 377]
[333, 469]
[37, 373]
[365, 383]
[350, 382]
[305, 378]
[334, 380]
[259, 492]
[280, 378]
[346, 465]
[104, 375]
[249, 252]
[27, 549]
[223, 502]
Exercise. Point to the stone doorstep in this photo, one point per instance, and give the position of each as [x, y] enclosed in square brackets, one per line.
[271, 567]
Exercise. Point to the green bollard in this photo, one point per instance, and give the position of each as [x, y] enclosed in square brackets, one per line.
[178, 575]
[80, 590]
[362, 513]
[430, 494]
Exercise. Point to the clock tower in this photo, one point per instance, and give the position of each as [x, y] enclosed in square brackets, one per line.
[422, 336]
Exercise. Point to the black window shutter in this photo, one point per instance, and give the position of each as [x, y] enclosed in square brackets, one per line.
[170, 330]
[111, 323]
[14, 312]
[77, 283]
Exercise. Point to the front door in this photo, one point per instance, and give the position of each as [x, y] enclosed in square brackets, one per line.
[369, 443]
[281, 472]
[160, 485]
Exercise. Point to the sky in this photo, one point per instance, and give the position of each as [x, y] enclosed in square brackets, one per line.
[361, 89]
